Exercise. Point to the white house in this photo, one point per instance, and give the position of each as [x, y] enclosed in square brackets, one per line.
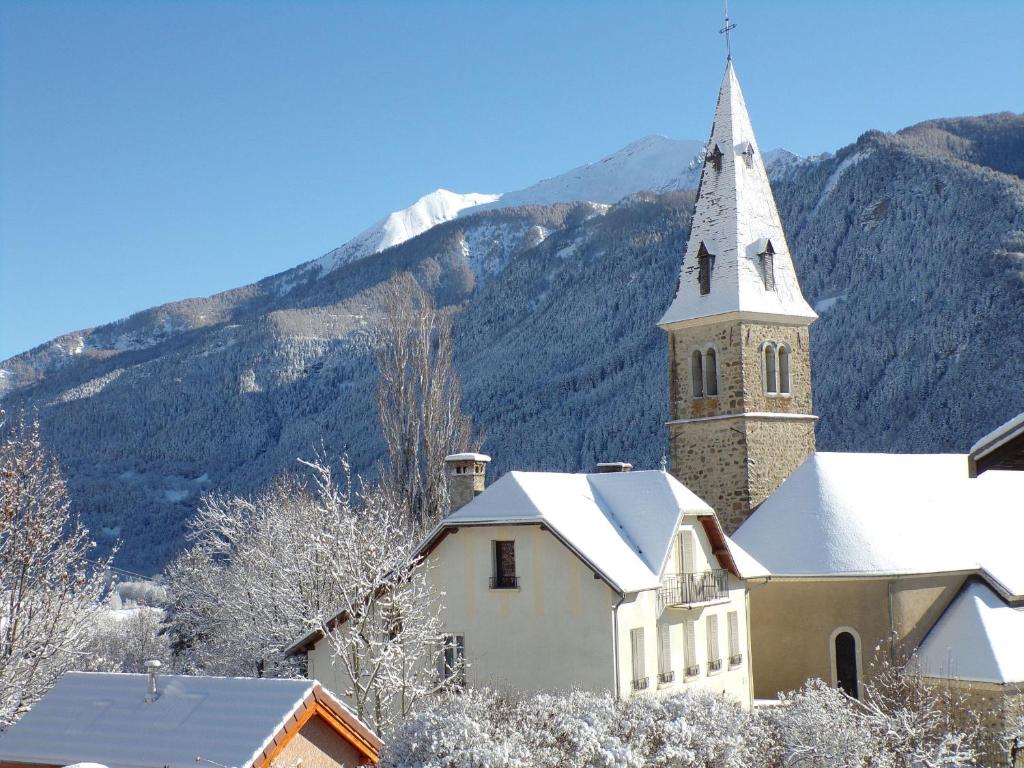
[616, 580]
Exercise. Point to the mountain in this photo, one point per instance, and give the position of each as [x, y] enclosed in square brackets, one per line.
[910, 245]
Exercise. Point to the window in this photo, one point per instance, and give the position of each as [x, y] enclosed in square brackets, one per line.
[711, 373]
[636, 646]
[845, 661]
[735, 654]
[715, 157]
[783, 369]
[504, 566]
[704, 372]
[452, 662]
[690, 649]
[771, 385]
[665, 673]
[705, 263]
[714, 656]
[748, 155]
[767, 257]
[684, 551]
[697, 373]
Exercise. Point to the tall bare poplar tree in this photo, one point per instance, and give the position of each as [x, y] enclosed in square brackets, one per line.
[419, 400]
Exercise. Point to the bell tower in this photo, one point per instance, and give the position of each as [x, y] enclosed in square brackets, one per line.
[741, 416]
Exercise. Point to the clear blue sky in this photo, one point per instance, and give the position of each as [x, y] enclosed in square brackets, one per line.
[152, 151]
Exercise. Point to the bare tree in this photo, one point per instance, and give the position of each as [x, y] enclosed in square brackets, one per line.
[387, 631]
[419, 401]
[49, 591]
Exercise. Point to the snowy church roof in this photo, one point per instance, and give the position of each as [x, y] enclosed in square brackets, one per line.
[979, 637]
[862, 514]
[735, 218]
[104, 718]
[621, 523]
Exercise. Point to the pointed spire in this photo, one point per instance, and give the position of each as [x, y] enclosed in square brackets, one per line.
[744, 266]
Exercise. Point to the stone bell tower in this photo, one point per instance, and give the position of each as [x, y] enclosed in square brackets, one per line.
[741, 417]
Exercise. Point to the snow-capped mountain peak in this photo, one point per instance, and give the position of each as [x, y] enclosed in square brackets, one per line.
[397, 227]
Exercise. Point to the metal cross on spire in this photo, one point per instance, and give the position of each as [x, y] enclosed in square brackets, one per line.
[725, 30]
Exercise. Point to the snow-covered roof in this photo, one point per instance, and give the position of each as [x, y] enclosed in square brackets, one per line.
[999, 436]
[104, 718]
[862, 514]
[734, 217]
[979, 637]
[621, 523]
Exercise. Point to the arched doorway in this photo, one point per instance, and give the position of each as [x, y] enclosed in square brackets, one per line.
[846, 661]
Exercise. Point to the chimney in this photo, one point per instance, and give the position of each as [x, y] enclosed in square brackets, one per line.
[153, 668]
[613, 466]
[467, 473]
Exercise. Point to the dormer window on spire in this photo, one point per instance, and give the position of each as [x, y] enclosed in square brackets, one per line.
[748, 155]
[767, 259]
[705, 263]
[715, 156]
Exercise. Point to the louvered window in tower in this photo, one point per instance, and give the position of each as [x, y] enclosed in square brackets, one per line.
[767, 257]
[715, 158]
[705, 263]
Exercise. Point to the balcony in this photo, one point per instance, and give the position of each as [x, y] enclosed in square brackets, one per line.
[641, 684]
[504, 582]
[666, 677]
[714, 665]
[683, 590]
[735, 661]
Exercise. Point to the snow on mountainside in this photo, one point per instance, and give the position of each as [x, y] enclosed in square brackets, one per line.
[652, 164]
[430, 210]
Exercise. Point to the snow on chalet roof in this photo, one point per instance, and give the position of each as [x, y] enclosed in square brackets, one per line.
[735, 217]
[104, 718]
[998, 436]
[858, 514]
[979, 637]
[621, 523]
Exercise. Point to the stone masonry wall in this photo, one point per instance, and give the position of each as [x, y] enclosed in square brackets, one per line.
[734, 464]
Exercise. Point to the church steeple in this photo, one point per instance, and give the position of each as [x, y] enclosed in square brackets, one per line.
[736, 221]
[739, 347]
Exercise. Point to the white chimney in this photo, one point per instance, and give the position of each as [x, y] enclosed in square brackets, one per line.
[153, 668]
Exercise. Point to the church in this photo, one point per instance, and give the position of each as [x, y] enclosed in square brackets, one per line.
[754, 562]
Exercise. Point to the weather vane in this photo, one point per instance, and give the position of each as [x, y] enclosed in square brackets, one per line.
[725, 30]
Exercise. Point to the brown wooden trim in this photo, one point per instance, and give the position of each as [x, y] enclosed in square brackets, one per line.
[5, 764]
[339, 719]
[719, 544]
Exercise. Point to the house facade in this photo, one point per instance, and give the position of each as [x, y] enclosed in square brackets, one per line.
[610, 581]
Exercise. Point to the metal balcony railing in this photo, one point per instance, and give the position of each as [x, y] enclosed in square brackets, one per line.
[684, 589]
[714, 665]
[666, 677]
[735, 661]
[504, 582]
[692, 671]
[641, 684]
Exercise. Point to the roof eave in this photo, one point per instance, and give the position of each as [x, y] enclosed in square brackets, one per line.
[668, 323]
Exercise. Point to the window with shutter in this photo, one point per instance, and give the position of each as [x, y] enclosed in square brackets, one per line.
[685, 551]
[664, 653]
[783, 370]
[452, 661]
[770, 380]
[697, 373]
[714, 656]
[735, 654]
[690, 648]
[705, 263]
[711, 373]
[636, 642]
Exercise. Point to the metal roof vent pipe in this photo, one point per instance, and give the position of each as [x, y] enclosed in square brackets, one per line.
[613, 466]
[153, 669]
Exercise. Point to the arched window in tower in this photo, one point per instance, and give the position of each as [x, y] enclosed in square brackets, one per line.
[697, 373]
[711, 373]
[783, 369]
[705, 263]
[771, 382]
[767, 259]
[715, 157]
[845, 662]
